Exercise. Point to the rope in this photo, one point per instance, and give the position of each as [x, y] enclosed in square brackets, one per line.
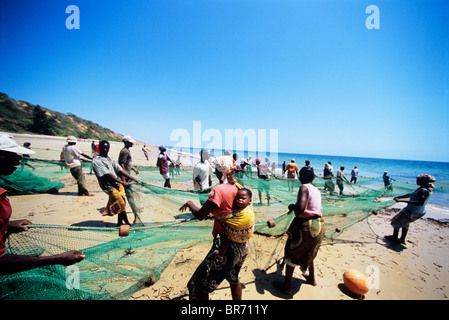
[385, 191]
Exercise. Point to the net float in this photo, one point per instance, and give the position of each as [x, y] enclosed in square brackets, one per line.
[271, 223]
[356, 282]
[124, 230]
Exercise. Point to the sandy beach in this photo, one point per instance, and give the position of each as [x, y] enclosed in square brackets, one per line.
[418, 270]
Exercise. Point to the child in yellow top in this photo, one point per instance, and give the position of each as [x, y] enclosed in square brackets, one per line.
[238, 223]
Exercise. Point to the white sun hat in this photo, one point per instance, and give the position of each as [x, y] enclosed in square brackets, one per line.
[72, 139]
[128, 139]
[8, 144]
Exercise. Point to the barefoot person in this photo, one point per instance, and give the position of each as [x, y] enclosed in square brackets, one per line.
[162, 164]
[125, 158]
[72, 160]
[12, 263]
[305, 232]
[214, 269]
[415, 209]
[126, 162]
[239, 223]
[106, 170]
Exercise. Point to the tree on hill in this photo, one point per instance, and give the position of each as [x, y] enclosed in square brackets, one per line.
[42, 124]
[24, 117]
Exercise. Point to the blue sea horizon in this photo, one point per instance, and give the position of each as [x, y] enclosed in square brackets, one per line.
[370, 170]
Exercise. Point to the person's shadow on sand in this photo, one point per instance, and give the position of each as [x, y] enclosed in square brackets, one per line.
[264, 282]
[394, 245]
[94, 223]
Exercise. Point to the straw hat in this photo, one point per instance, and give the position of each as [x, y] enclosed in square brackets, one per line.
[128, 139]
[72, 139]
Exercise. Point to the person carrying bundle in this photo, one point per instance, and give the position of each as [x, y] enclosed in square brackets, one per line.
[214, 268]
[238, 223]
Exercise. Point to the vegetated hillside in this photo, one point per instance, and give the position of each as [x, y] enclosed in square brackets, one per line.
[23, 117]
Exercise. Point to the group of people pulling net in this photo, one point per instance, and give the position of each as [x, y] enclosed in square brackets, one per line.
[115, 267]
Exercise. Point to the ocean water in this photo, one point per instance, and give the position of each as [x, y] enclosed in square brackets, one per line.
[370, 172]
[372, 169]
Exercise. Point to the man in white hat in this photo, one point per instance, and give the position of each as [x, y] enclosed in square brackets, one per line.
[72, 160]
[11, 263]
[125, 161]
[124, 158]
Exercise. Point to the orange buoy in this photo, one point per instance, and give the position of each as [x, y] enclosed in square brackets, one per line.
[124, 230]
[271, 223]
[356, 282]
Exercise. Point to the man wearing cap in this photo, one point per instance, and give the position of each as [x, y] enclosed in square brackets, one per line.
[162, 163]
[124, 158]
[125, 161]
[388, 182]
[72, 160]
[11, 263]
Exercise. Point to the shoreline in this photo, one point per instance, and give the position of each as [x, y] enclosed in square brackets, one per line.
[48, 148]
[418, 270]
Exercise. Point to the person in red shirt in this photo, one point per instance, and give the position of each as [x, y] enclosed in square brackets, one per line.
[11, 263]
[214, 269]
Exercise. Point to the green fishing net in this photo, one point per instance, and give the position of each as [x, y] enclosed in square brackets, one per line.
[33, 176]
[116, 267]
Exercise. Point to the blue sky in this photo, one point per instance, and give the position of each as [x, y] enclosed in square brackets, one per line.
[310, 69]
